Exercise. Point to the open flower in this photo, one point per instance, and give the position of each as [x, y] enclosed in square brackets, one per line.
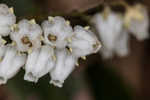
[109, 29]
[57, 31]
[27, 35]
[65, 64]
[10, 63]
[7, 19]
[84, 42]
[39, 63]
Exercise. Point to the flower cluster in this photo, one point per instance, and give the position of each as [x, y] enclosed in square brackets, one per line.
[113, 28]
[54, 47]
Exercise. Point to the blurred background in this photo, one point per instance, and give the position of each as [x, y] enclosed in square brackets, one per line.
[126, 78]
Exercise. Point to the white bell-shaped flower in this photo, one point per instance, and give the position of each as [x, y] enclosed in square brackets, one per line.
[10, 63]
[140, 27]
[84, 42]
[109, 29]
[57, 31]
[65, 64]
[39, 63]
[7, 19]
[122, 44]
[27, 35]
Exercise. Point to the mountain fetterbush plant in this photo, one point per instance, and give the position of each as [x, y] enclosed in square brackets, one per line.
[54, 47]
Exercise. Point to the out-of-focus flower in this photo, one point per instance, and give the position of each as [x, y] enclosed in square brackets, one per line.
[109, 26]
[39, 63]
[65, 64]
[83, 42]
[137, 21]
[57, 31]
[10, 63]
[27, 35]
[122, 44]
[7, 19]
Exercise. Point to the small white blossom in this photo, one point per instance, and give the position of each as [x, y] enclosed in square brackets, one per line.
[39, 63]
[139, 27]
[10, 64]
[65, 64]
[109, 29]
[27, 35]
[7, 19]
[57, 31]
[84, 42]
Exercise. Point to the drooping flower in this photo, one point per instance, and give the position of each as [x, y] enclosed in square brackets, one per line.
[57, 31]
[138, 23]
[83, 42]
[109, 29]
[10, 63]
[39, 63]
[27, 35]
[7, 19]
[65, 64]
